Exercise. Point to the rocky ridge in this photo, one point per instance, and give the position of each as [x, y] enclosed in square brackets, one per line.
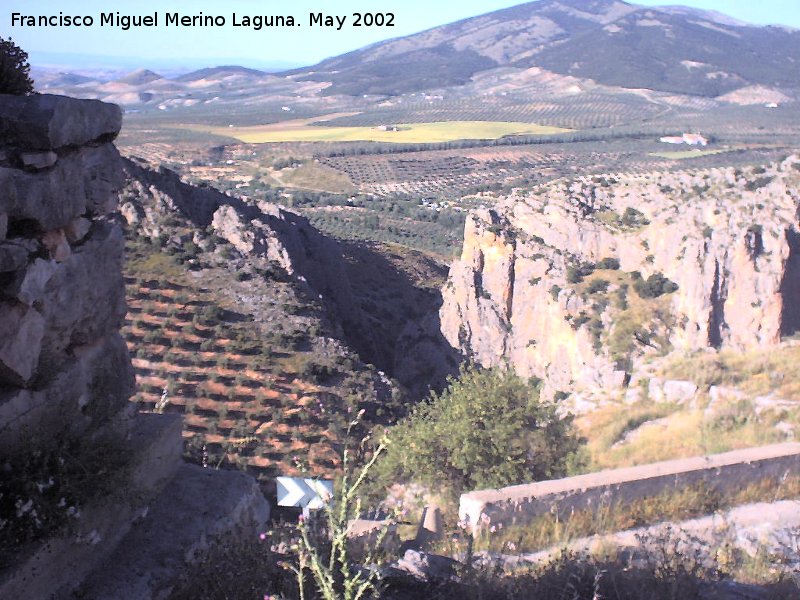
[262, 232]
[578, 282]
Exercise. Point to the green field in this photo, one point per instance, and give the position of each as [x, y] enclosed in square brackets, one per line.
[408, 133]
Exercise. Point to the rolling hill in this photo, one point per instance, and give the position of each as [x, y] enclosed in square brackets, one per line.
[672, 49]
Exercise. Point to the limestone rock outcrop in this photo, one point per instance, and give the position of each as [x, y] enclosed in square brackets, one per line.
[576, 281]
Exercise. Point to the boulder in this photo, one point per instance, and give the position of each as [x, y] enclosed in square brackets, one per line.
[426, 567]
[47, 121]
[87, 389]
[84, 298]
[680, 392]
[77, 230]
[55, 242]
[33, 281]
[81, 183]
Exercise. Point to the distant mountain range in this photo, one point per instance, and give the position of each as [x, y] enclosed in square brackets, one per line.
[672, 49]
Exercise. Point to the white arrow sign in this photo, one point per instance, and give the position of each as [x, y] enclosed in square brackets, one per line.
[305, 493]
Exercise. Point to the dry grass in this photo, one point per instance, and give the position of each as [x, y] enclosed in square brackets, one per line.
[756, 372]
[680, 433]
[316, 177]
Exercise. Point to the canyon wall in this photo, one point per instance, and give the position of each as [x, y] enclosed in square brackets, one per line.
[578, 281]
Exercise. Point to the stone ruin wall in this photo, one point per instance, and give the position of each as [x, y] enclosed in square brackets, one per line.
[63, 365]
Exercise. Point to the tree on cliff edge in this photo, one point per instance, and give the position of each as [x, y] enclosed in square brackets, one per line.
[14, 69]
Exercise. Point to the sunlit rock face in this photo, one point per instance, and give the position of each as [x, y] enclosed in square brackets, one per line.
[720, 249]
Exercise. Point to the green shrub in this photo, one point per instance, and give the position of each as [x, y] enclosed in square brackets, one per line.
[597, 286]
[633, 218]
[576, 273]
[611, 264]
[489, 428]
[654, 286]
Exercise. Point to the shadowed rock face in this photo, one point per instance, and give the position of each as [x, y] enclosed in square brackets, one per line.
[726, 238]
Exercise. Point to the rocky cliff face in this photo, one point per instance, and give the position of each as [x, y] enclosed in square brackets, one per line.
[62, 360]
[577, 281]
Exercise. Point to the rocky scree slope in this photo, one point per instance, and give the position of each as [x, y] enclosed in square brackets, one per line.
[578, 281]
[226, 316]
[262, 231]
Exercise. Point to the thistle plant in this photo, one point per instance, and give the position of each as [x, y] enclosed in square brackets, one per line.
[324, 551]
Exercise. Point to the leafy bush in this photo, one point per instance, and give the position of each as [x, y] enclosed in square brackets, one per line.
[654, 286]
[576, 273]
[612, 264]
[489, 428]
[14, 69]
[597, 285]
[756, 184]
[633, 218]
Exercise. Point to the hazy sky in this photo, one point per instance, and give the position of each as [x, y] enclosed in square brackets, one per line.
[300, 45]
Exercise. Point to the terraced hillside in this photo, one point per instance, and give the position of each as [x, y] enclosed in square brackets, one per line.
[240, 347]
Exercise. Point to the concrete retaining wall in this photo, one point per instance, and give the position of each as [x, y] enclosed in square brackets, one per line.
[725, 473]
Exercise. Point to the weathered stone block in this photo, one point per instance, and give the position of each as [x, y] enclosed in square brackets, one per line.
[85, 298]
[50, 198]
[38, 160]
[3, 225]
[47, 121]
[102, 172]
[59, 564]
[55, 242]
[21, 333]
[77, 230]
[150, 559]
[33, 281]
[90, 388]
[81, 183]
[680, 392]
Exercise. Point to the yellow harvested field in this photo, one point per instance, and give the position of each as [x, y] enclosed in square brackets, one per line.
[301, 130]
